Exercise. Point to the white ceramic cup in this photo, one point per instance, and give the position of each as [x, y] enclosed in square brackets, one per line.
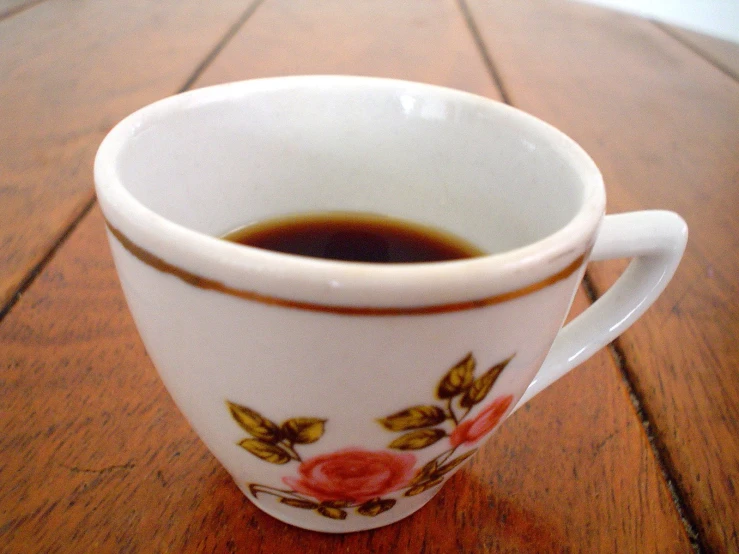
[341, 395]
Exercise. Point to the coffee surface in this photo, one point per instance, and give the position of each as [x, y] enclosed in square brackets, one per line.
[355, 237]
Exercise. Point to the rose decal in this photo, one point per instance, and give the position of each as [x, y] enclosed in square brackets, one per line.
[332, 483]
[353, 475]
[459, 392]
[472, 430]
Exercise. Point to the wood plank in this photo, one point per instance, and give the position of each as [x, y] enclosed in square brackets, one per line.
[246, 56]
[724, 53]
[95, 456]
[68, 71]
[571, 471]
[662, 124]
[422, 41]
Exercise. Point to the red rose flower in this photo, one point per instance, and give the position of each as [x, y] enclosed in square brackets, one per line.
[472, 430]
[353, 475]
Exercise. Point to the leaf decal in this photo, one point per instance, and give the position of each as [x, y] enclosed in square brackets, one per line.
[333, 513]
[416, 417]
[415, 428]
[336, 503]
[424, 473]
[458, 379]
[423, 487]
[374, 507]
[416, 440]
[298, 503]
[446, 468]
[303, 430]
[265, 451]
[482, 386]
[253, 423]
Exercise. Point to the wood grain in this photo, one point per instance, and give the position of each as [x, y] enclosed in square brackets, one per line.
[424, 41]
[95, 457]
[271, 26]
[662, 124]
[68, 72]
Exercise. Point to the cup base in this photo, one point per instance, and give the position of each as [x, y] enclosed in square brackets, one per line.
[311, 520]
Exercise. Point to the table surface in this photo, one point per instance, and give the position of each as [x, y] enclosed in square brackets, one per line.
[636, 450]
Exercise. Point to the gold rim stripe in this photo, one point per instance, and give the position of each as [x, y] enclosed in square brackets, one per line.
[209, 284]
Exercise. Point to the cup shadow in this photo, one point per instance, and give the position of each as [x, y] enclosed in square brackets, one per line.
[465, 516]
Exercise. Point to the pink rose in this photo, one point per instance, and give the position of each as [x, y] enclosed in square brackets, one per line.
[472, 430]
[353, 475]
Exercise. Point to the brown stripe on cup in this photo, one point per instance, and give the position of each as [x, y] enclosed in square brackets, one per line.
[210, 284]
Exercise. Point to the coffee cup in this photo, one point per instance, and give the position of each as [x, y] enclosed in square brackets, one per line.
[341, 395]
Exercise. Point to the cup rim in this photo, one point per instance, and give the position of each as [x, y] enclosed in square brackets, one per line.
[163, 243]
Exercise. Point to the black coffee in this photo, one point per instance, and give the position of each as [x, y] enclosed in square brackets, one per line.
[355, 237]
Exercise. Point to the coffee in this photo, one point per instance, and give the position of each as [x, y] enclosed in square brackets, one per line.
[355, 237]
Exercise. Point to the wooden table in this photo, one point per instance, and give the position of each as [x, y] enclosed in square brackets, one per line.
[635, 451]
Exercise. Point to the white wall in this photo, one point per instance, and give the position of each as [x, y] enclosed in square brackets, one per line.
[719, 18]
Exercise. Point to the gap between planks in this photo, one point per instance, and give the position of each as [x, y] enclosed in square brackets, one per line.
[39, 267]
[483, 50]
[235, 28]
[202, 66]
[15, 10]
[658, 449]
[697, 50]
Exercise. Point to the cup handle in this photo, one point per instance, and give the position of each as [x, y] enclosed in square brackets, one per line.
[656, 240]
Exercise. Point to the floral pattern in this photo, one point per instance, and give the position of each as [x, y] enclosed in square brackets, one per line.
[472, 430]
[353, 475]
[355, 478]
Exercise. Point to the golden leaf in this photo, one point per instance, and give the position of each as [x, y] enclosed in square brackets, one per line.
[374, 507]
[482, 386]
[423, 487]
[336, 503]
[303, 430]
[253, 423]
[416, 417]
[297, 503]
[333, 513]
[446, 468]
[415, 440]
[458, 379]
[265, 451]
[424, 473]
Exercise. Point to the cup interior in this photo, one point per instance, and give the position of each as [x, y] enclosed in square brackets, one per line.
[241, 153]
